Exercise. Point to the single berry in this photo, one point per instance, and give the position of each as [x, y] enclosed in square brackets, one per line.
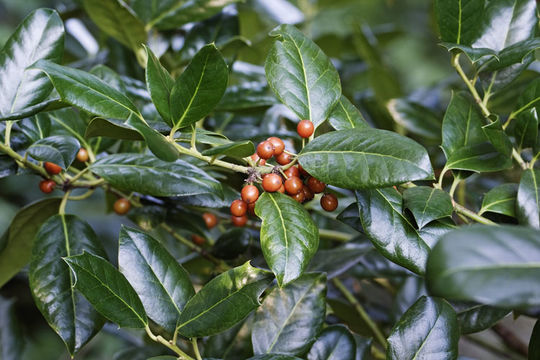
[250, 193]
[293, 185]
[47, 186]
[265, 150]
[282, 189]
[308, 194]
[239, 220]
[279, 145]
[302, 171]
[272, 182]
[122, 206]
[283, 158]
[329, 202]
[82, 155]
[251, 208]
[300, 197]
[52, 168]
[305, 128]
[256, 158]
[197, 239]
[210, 220]
[315, 185]
[238, 208]
[292, 171]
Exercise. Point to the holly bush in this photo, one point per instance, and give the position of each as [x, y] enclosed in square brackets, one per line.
[286, 195]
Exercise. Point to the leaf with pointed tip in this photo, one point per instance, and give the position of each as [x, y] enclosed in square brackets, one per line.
[427, 204]
[111, 128]
[156, 142]
[57, 149]
[528, 198]
[458, 20]
[474, 54]
[289, 237]
[529, 98]
[237, 149]
[479, 317]
[162, 284]
[53, 102]
[200, 87]
[229, 297]
[346, 116]
[428, 330]
[301, 75]
[416, 118]
[11, 335]
[508, 260]
[334, 343]
[338, 260]
[291, 317]
[52, 283]
[526, 129]
[107, 290]
[39, 36]
[501, 199]
[513, 54]
[159, 84]
[365, 158]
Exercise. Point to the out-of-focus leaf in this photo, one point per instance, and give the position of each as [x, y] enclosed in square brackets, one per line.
[60, 150]
[528, 198]
[427, 204]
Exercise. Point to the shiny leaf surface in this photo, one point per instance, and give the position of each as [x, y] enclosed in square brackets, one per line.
[346, 116]
[501, 199]
[160, 84]
[237, 149]
[334, 343]
[528, 198]
[427, 204]
[60, 150]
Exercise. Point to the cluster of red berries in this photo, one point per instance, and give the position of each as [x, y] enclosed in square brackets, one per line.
[47, 186]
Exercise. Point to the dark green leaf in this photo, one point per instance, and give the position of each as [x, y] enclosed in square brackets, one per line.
[237, 149]
[301, 75]
[160, 84]
[107, 290]
[20, 236]
[273, 357]
[373, 265]
[459, 20]
[427, 204]
[432, 232]
[415, 118]
[513, 54]
[363, 347]
[51, 103]
[247, 95]
[60, 150]
[528, 198]
[232, 344]
[147, 175]
[476, 262]
[501, 199]
[232, 243]
[479, 318]
[164, 357]
[346, 116]
[39, 36]
[479, 158]
[526, 129]
[11, 336]
[291, 317]
[289, 237]
[334, 343]
[428, 330]
[111, 128]
[336, 261]
[351, 217]
[365, 158]
[534, 343]
[157, 143]
[474, 54]
[529, 98]
[162, 284]
[52, 283]
[229, 297]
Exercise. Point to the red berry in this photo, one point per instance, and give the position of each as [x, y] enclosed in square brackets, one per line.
[308, 194]
[283, 158]
[305, 128]
[299, 197]
[82, 155]
[293, 185]
[52, 168]
[292, 171]
[198, 240]
[329, 202]
[251, 208]
[238, 208]
[302, 171]
[272, 182]
[279, 145]
[47, 186]
[265, 150]
[210, 220]
[239, 220]
[315, 185]
[122, 206]
[250, 193]
[282, 189]
[256, 157]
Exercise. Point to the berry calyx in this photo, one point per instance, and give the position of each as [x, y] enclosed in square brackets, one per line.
[239, 221]
[256, 158]
[82, 155]
[265, 150]
[283, 158]
[272, 182]
[250, 193]
[329, 202]
[52, 168]
[238, 208]
[197, 239]
[293, 185]
[122, 206]
[47, 186]
[279, 145]
[315, 185]
[210, 220]
[305, 128]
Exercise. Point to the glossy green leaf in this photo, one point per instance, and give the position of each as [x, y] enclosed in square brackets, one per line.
[346, 116]
[232, 243]
[52, 283]
[501, 199]
[289, 237]
[53, 102]
[427, 204]
[459, 20]
[291, 317]
[39, 36]
[338, 260]
[162, 284]
[160, 84]
[237, 149]
[107, 290]
[534, 342]
[474, 54]
[334, 343]
[200, 87]
[479, 317]
[116, 19]
[363, 347]
[301, 75]
[528, 198]
[232, 344]
[111, 128]
[415, 118]
[513, 54]
[365, 158]
[389, 230]
[529, 98]
[508, 260]
[229, 297]
[20, 236]
[273, 357]
[432, 232]
[147, 175]
[58, 149]
[428, 330]
[164, 357]
[526, 129]
[249, 95]
[11, 335]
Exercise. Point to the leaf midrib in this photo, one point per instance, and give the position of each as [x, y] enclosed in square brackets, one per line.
[286, 238]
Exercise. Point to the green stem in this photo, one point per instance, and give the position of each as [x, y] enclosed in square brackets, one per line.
[196, 349]
[168, 344]
[335, 235]
[519, 159]
[472, 215]
[82, 196]
[7, 139]
[62, 209]
[455, 183]
[377, 354]
[22, 161]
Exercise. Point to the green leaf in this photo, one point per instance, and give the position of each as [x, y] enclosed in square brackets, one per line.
[232, 243]
[474, 54]
[200, 87]
[501, 199]
[147, 175]
[365, 158]
[162, 284]
[107, 290]
[20, 236]
[237, 149]
[416, 118]
[234, 343]
[459, 20]
[160, 84]
[338, 260]
[346, 116]
[111, 128]
[363, 347]
[526, 129]
[301, 75]
[334, 343]
[529, 98]
[428, 330]
[87, 92]
[229, 297]
[479, 318]
[58, 149]
[513, 54]
[273, 357]
[528, 198]
[508, 260]
[427, 204]
[291, 317]
[248, 95]
[116, 19]
[53, 102]
[39, 36]
[52, 283]
[534, 342]
[11, 336]
[380, 214]
[289, 237]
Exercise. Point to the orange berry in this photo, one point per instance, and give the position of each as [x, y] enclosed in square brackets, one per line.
[52, 168]
[279, 145]
[305, 128]
[210, 220]
[250, 193]
[122, 206]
